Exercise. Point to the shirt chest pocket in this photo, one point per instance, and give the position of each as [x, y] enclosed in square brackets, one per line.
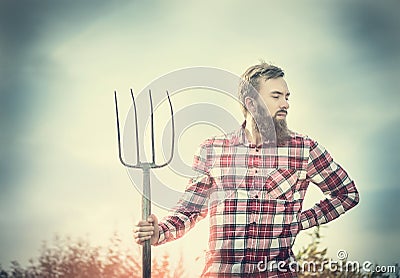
[281, 184]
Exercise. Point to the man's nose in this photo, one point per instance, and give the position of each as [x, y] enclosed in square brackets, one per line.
[285, 104]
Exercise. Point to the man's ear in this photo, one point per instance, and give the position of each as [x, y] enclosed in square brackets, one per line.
[250, 104]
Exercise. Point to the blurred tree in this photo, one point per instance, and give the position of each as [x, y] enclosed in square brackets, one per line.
[67, 258]
[313, 262]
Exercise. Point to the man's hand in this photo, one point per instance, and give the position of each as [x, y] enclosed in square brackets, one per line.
[147, 230]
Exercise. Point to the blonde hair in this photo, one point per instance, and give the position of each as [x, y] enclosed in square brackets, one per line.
[250, 83]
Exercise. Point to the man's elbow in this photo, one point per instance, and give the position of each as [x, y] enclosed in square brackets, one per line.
[357, 198]
[353, 199]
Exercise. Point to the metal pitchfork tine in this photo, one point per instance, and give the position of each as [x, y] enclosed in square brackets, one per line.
[145, 166]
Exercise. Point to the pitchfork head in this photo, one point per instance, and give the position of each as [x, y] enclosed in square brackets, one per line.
[140, 164]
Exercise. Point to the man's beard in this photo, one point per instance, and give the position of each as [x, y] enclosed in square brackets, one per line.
[275, 130]
[282, 131]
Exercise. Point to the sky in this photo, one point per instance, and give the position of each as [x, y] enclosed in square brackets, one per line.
[62, 60]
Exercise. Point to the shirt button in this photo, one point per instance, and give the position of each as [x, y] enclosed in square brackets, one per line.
[256, 150]
[256, 196]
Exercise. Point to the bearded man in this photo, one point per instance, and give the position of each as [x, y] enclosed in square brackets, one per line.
[252, 184]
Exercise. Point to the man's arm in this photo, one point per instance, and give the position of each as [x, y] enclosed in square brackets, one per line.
[333, 180]
[192, 207]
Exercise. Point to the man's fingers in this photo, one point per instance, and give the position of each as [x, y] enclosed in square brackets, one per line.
[143, 229]
[142, 239]
[143, 234]
[144, 223]
[146, 230]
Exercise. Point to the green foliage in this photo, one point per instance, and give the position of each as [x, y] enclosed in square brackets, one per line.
[315, 263]
[67, 258]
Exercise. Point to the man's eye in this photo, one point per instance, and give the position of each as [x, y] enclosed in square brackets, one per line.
[275, 96]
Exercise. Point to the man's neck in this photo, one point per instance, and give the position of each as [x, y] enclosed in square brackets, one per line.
[252, 134]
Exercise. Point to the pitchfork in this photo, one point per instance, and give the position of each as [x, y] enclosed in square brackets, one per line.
[145, 166]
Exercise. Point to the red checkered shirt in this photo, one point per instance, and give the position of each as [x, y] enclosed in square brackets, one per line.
[253, 196]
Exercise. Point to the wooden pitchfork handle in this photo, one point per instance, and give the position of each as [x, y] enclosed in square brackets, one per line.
[146, 211]
[145, 166]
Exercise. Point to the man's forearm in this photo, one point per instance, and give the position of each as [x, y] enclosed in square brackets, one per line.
[330, 208]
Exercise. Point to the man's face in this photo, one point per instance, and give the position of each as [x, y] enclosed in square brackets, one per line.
[272, 104]
[275, 94]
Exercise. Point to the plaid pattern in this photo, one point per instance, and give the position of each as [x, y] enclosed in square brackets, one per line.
[253, 195]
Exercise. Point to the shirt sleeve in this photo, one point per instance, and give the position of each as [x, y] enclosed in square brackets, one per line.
[193, 205]
[333, 180]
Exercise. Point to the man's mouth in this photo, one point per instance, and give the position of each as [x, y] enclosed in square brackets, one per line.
[281, 113]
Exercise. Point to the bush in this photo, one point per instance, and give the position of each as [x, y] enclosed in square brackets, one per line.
[67, 258]
[316, 263]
